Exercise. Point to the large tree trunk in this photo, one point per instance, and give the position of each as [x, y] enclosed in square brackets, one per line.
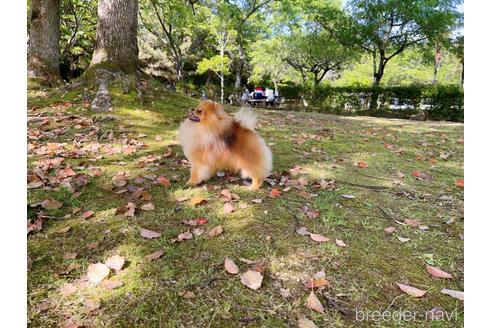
[240, 65]
[44, 40]
[116, 36]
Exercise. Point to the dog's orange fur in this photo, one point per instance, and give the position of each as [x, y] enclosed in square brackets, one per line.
[220, 142]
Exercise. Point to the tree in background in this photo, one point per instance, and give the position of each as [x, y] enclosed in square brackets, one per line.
[173, 23]
[244, 18]
[314, 55]
[457, 47]
[116, 36]
[219, 64]
[268, 63]
[385, 28]
[78, 35]
[44, 40]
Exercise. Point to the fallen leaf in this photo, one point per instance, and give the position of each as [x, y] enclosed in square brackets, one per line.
[115, 262]
[68, 289]
[230, 266]
[247, 261]
[201, 221]
[285, 292]
[257, 201]
[215, 231]
[228, 208]
[149, 233]
[306, 323]
[303, 231]
[313, 303]
[92, 305]
[315, 283]
[86, 215]
[119, 181]
[148, 207]
[362, 164]
[197, 200]
[460, 183]
[313, 214]
[182, 199]
[111, 284]
[198, 231]
[454, 293]
[163, 181]
[412, 291]
[348, 196]
[275, 192]
[51, 204]
[97, 272]
[69, 256]
[403, 239]
[416, 173]
[411, 222]
[64, 230]
[438, 273]
[154, 256]
[318, 238]
[389, 230]
[340, 243]
[184, 236]
[93, 245]
[187, 294]
[252, 279]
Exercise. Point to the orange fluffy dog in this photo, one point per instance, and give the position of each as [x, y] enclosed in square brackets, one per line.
[212, 141]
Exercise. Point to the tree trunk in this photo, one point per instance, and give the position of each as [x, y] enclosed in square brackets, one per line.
[44, 40]
[221, 88]
[378, 75]
[116, 36]
[462, 72]
[240, 65]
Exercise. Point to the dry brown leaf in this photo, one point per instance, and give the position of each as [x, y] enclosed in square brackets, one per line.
[411, 222]
[64, 230]
[340, 243]
[412, 291]
[306, 323]
[115, 262]
[438, 273]
[92, 305]
[389, 230]
[111, 284]
[69, 256]
[313, 303]
[454, 293]
[215, 231]
[187, 294]
[252, 279]
[119, 180]
[303, 231]
[97, 272]
[403, 239]
[228, 208]
[460, 183]
[275, 193]
[197, 200]
[318, 238]
[257, 201]
[68, 289]
[148, 207]
[51, 204]
[230, 266]
[182, 199]
[163, 181]
[146, 233]
[86, 215]
[154, 256]
[362, 164]
[315, 283]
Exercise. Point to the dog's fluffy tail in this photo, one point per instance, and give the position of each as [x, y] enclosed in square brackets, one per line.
[246, 118]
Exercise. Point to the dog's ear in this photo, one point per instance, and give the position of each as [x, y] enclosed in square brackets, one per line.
[219, 111]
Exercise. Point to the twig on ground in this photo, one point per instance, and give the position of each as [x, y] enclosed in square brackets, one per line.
[393, 301]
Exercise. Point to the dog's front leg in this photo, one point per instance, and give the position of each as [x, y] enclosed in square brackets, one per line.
[199, 173]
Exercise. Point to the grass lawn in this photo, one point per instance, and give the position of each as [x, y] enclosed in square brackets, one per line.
[345, 178]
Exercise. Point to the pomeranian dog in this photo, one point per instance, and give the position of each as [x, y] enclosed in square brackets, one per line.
[213, 141]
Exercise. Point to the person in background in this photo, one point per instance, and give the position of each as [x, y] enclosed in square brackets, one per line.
[245, 96]
[259, 94]
[269, 95]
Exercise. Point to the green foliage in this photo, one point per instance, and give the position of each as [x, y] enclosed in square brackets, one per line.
[386, 28]
[445, 101]
[77, 35]
[216, 64]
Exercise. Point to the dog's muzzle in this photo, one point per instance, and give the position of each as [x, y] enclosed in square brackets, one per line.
[193, 117]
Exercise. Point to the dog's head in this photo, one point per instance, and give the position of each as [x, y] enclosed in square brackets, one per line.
[207, 113]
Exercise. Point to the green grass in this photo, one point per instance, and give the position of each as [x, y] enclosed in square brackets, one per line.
[363, 275]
